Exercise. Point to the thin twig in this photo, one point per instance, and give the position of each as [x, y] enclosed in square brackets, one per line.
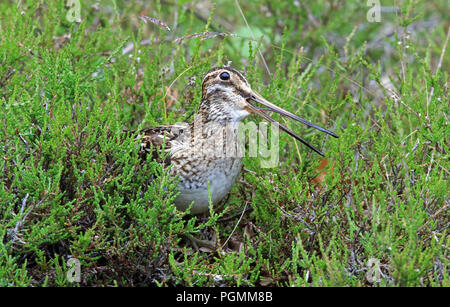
[20, 222]
[429, 168]
[438, 67]
[24, 202]
[235, 226]
[396, 97]
[169, 88]
[251, 32]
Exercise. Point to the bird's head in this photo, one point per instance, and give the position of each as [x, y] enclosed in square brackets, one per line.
[227, 96]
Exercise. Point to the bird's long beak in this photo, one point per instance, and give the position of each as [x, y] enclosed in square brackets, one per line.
[253, 96]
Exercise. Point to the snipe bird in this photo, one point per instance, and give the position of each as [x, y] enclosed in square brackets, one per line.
[191, 148]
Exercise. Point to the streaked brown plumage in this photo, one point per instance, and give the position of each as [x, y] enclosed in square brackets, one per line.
[195, 151]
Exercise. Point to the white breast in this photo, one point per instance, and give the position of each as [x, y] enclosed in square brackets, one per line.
[220, 179]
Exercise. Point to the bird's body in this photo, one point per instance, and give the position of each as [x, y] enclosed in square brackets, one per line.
[192, 157]
[206, 154]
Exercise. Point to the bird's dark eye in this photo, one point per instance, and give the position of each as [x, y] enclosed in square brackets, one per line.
[224, 76]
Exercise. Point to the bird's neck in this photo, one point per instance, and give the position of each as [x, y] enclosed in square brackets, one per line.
[212, 113]
[207, 124]
[215, 132]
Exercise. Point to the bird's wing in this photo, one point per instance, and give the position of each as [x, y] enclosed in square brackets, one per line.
[159, 141]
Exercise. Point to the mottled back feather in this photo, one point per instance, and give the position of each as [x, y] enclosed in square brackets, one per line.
[153, 140]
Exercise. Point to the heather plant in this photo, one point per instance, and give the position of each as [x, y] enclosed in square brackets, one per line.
[78, 82]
